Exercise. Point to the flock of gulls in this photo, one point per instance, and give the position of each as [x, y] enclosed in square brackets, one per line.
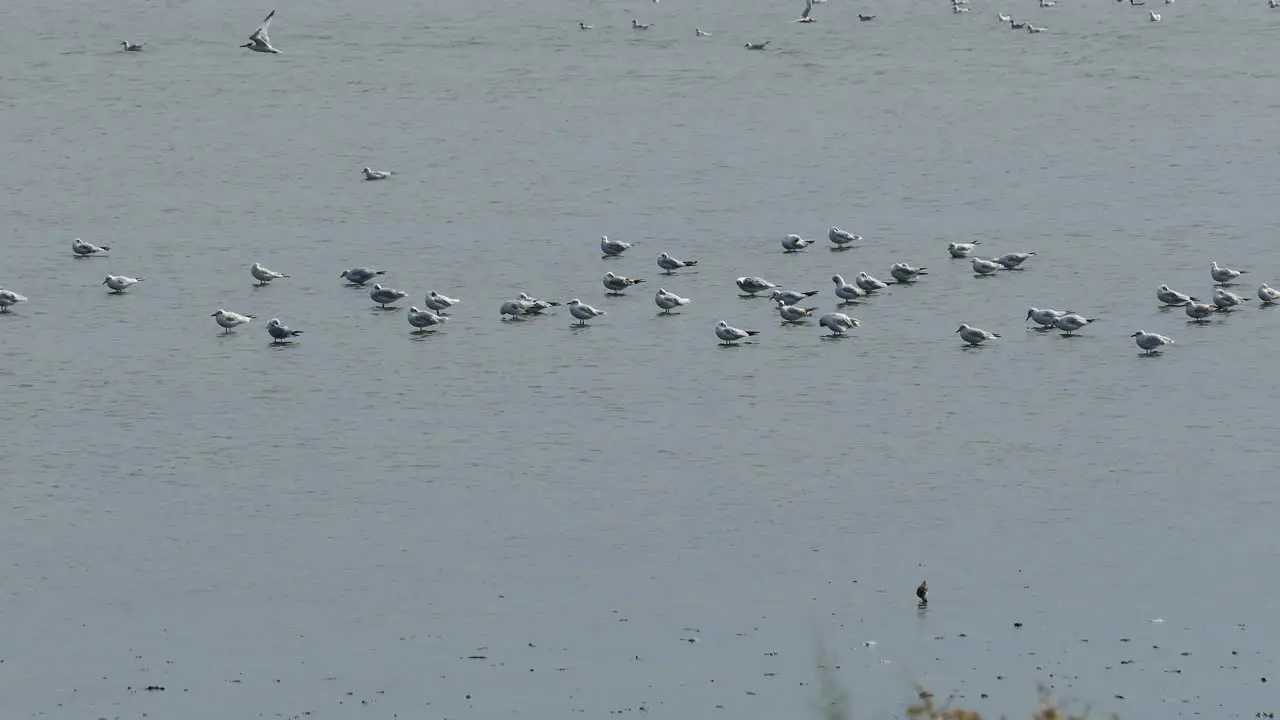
[788, 303]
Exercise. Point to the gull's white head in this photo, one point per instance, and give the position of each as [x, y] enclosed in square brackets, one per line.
[722, 324]
[837, 279]
[220, 312]
[962, 328]
[575, 301]
[273, 321]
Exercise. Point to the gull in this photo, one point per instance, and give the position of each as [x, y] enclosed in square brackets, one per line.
[613, 248]
[794, 243]
[804, 16]
[756, 46]
[1199, 311]
[1266, 293]
[1071, 322]
[258, 41]
[1011, 261]
[440, 303]
[132, 47]
[670, 264]
[637, 25]
[1034, 29]
[120, 283]
[846, 292]
[669, 301]
[842, 238]
[228, 319]
[1016, 25]
[1047, 3]
[866, 18]
[1221, 275]
[904, 273]
[1225, 299]
[377, 174]
[615, 284]
[423, 319]
[868, 283]
[1173, 298]
[1273, 4]
[838, 323]
[9, 297]
[793, 313]
[584, 26]
[730, 334]
[698, 32]
[1150, 341]
[986, 267]
[1003, 17]
[790, 297]
[975, 336]
[1045, 317]
[85, 249]
[583, 312]
[753, 285]
[263, 275]
[957, 9]
[517, 309]
[385, 296]
[280, 333]
[535, 305]
[961, 250]
[1155, 16]
[360, 275]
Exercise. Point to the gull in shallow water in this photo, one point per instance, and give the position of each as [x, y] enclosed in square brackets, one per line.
[132, 47]
[961, 250]
[730, 334]
[1044, 317]
[535, 305]
[753, 285]
[377, 174]
[439, 303]
[1172, 297]
[975, 336]
[85, 249]
[360, 275]
[9, 297]
[904, 273]
[701, 33]
[838, 323]
[985, 267]
[120, 283]
[846, 292]
[385, 296]
[1071, 322]
[258, 41]
[669, 301]
[843, 239]
[670, 264]
[793, 313]
[263, 275]
[1220, 275]
[423, 319]
[583, 311]
[756, 46]
[279, 332]
[517, 309]
[227, 319]
[613, 248]
[1199, 311]
[1225, 299]
[615, 284]
[1012, 261]
[790, 297]
[1267, 294]
[1150, 342]
[868, 283]
[1155, 16]
[794, 243]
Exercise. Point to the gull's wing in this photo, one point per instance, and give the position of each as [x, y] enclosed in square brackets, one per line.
[808, 8]
[260, 35]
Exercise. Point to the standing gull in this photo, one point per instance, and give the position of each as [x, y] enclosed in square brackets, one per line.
[385, 296]
[868, 283]
[280, 333]
[263, 275]
[85, 249]
[1225, 299]
[1221, 275]
[842, 239]
[1044, 318]
[669, 301]
[670, 264]
[120, 283]
[517, 309]
[227, 319]
[424, 319]
[790, 297]
[535, 305]
[793, 313]
[838, 323]
[753, 285]
[1267, 294]
[1150, 342]
[730, 334]
[613, 248]
[975, 336]
[904, 273]
[1012, 261]
[360, 275]
[1172, 298]
[439, 303]
[985, 267]
[961, 250]
[615, 284]
[583, 312]
[9, 297]
[258, 41]
[794, 243]
[1199, 312]
[846, 292]
[1071, 322]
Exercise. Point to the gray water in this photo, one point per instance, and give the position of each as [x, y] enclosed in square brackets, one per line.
[335, 526]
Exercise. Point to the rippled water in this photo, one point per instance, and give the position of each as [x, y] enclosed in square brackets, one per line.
[335, 526]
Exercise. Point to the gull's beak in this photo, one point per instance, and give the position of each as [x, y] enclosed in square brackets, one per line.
[104, 282]
[212, 314]
[1028, 317]
[957, 330]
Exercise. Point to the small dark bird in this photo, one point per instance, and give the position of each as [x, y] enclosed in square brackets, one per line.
[922, 592]
[865, 18]
[756, 46]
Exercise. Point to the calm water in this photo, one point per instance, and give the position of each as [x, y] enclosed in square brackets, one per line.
[335, 526]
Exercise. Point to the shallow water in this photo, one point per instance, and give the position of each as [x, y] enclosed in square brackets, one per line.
[336, 525]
